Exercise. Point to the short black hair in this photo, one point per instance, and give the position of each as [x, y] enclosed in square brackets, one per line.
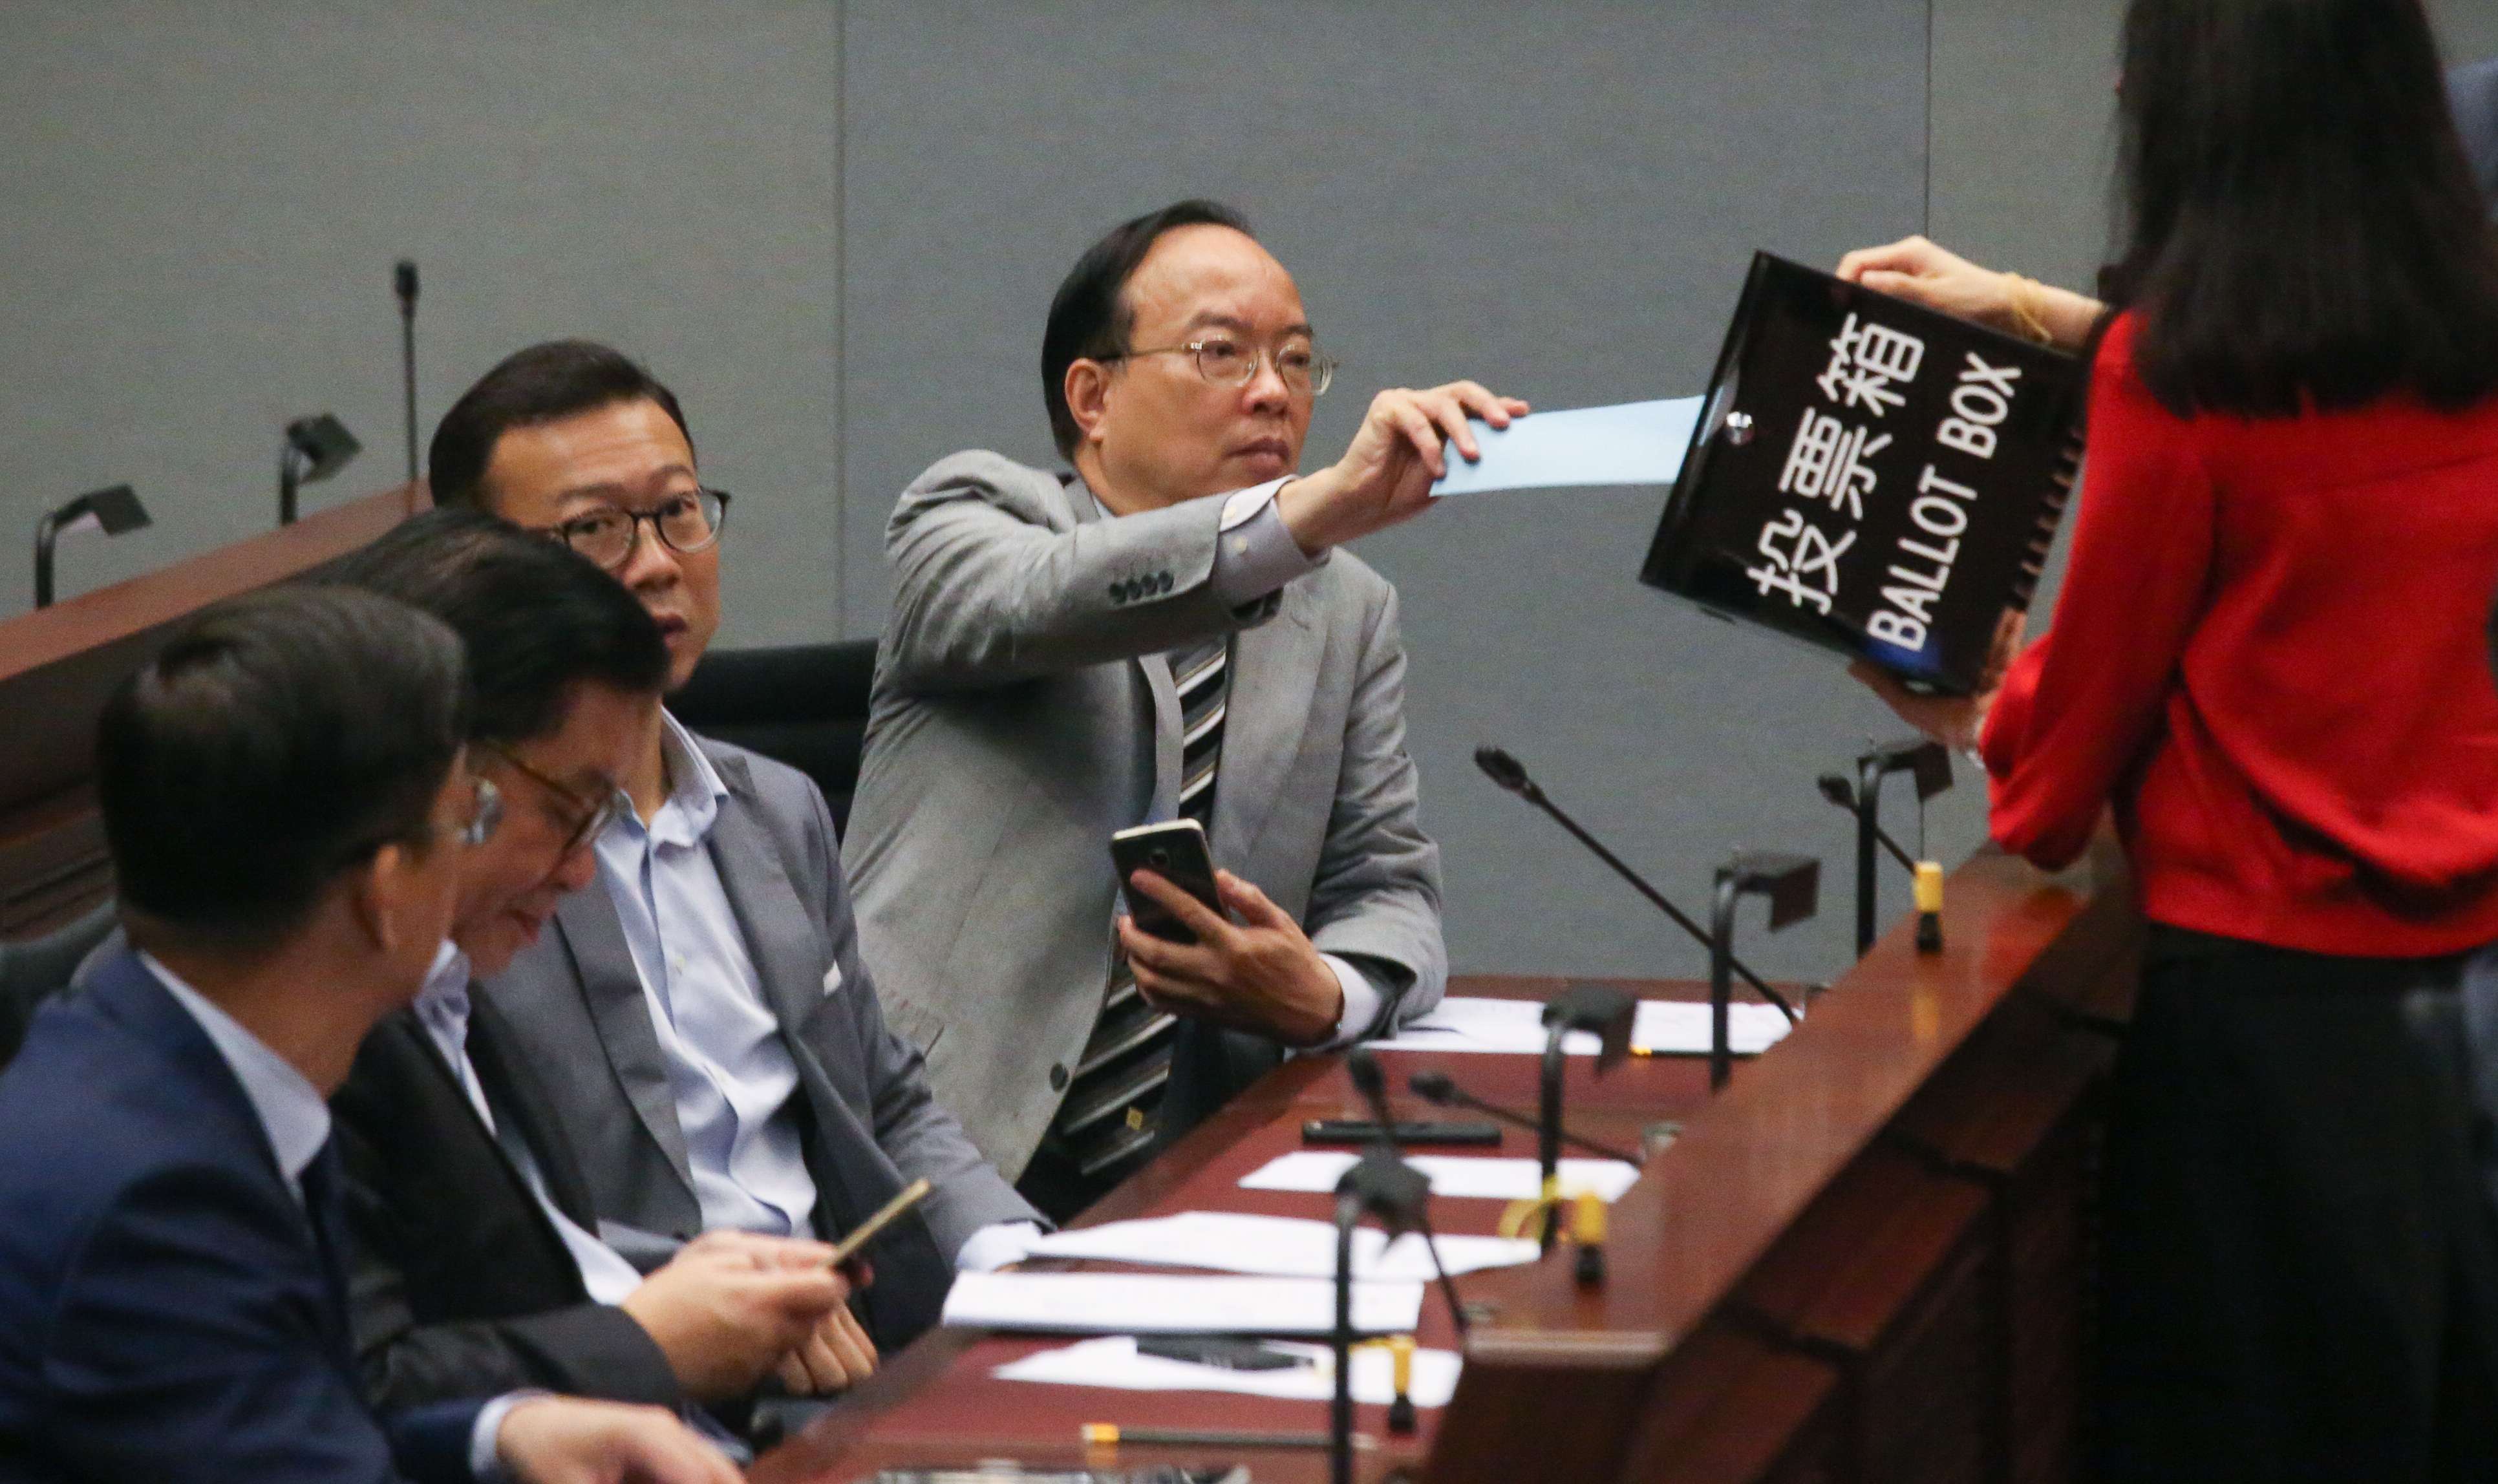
[546, 383]
[1090, 317]
[536, 617]
[2302, 226]
[280, 738]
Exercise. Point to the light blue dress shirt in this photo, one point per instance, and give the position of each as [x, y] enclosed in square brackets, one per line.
[296, 1119]
[728, 1068]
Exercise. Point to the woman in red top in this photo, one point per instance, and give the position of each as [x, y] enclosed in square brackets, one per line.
[2270, 658]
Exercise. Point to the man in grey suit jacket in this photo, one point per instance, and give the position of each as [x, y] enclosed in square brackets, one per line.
[700, 1019]
[1165, 634]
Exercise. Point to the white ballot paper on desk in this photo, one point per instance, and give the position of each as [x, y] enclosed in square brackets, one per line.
[1147, 1304]
[1282, 1247]
[1451, 1175]
[1663, 1028]
[1634, 443]
[1112, 1361]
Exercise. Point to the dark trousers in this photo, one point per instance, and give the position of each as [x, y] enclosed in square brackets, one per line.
[2300, 1280]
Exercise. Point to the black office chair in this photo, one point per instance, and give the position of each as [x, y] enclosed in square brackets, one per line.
[33, 970]
[804, 705]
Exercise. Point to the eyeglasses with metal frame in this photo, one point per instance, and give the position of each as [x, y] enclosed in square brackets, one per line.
[1227, 363]
[594, 816]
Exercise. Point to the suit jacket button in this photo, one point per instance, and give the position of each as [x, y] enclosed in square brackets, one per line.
[1058, 1078]
[1164, 582]
[1118, 593]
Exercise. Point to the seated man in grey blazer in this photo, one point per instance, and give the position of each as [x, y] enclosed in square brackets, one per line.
[700, 1021]
[1166, 632]
[477, 1267]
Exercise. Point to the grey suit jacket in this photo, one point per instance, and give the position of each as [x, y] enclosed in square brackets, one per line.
[574, 1004]
[1023, 711]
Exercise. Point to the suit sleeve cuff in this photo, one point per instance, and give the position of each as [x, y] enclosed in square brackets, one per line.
[1363, 1000]
[485, 1456]
[1254, 551]
[997, 1244]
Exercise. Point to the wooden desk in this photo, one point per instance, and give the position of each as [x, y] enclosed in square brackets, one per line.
[59, 664]
[1868, 1259]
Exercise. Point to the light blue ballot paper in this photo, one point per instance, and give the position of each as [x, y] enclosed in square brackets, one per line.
[1637, 443]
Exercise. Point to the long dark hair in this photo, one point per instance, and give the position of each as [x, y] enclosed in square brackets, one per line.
[2302, 226]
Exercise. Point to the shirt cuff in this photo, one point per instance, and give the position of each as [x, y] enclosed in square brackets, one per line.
[1362, 1002]
[1254, 551]
[993, 1247]
[485, 1457]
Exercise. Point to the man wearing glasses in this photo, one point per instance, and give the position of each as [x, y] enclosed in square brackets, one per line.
[1164, 633]
[479, 1266]
[291, 823]
[705, 1031]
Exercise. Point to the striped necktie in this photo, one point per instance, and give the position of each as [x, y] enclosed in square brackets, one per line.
[1110, 1114]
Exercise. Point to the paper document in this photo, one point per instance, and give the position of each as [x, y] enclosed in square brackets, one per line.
[1451, 1175]
[1635, 443]
[1112, 1361]
[1663, 1027]
[1282, 1247]
[1148, 1304]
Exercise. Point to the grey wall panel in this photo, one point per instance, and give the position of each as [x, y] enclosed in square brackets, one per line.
[203, 201]
[1559, 199]
[2467, 30]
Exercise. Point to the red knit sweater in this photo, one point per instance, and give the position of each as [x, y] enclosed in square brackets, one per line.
[2269, 654]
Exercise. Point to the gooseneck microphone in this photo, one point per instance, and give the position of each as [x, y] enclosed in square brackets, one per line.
[1836, 788]
[1372, 1084]
[1378, 1184]
[1441, 1089]
[1509, 773]
[404, 281]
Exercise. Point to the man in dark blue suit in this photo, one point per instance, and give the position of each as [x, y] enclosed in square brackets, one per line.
[287, 804]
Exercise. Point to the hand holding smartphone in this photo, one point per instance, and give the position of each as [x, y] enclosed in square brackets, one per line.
[850, 1246]
[1177, 852]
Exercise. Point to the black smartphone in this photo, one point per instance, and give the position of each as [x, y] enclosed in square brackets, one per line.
[1217, 1351]
[1468, 1131]
[1177, 853]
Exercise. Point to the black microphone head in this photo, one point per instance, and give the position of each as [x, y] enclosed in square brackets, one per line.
[403, 279]
[1432, 1086]
[1502, 769]
[1363, 1068]
[1837, 790]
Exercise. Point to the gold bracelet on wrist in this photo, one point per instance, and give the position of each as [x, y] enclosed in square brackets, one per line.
[2024, 302]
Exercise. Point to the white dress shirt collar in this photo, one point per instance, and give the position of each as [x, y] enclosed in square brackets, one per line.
[289, 1107]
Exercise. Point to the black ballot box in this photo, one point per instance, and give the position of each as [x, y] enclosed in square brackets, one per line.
[1870, 476]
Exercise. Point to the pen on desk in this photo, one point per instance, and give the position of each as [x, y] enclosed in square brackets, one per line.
[1112, 1435]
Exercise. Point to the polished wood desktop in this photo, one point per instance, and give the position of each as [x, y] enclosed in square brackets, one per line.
[1868, 1259]
[59, 664]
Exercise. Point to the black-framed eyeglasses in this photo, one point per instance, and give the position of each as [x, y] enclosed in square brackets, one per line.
[685, 523]
[592, 815]
[1227, 363]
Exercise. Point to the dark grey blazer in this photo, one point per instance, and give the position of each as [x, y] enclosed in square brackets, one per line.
[458, 1285]
[575, 1007]
[1023, 711]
